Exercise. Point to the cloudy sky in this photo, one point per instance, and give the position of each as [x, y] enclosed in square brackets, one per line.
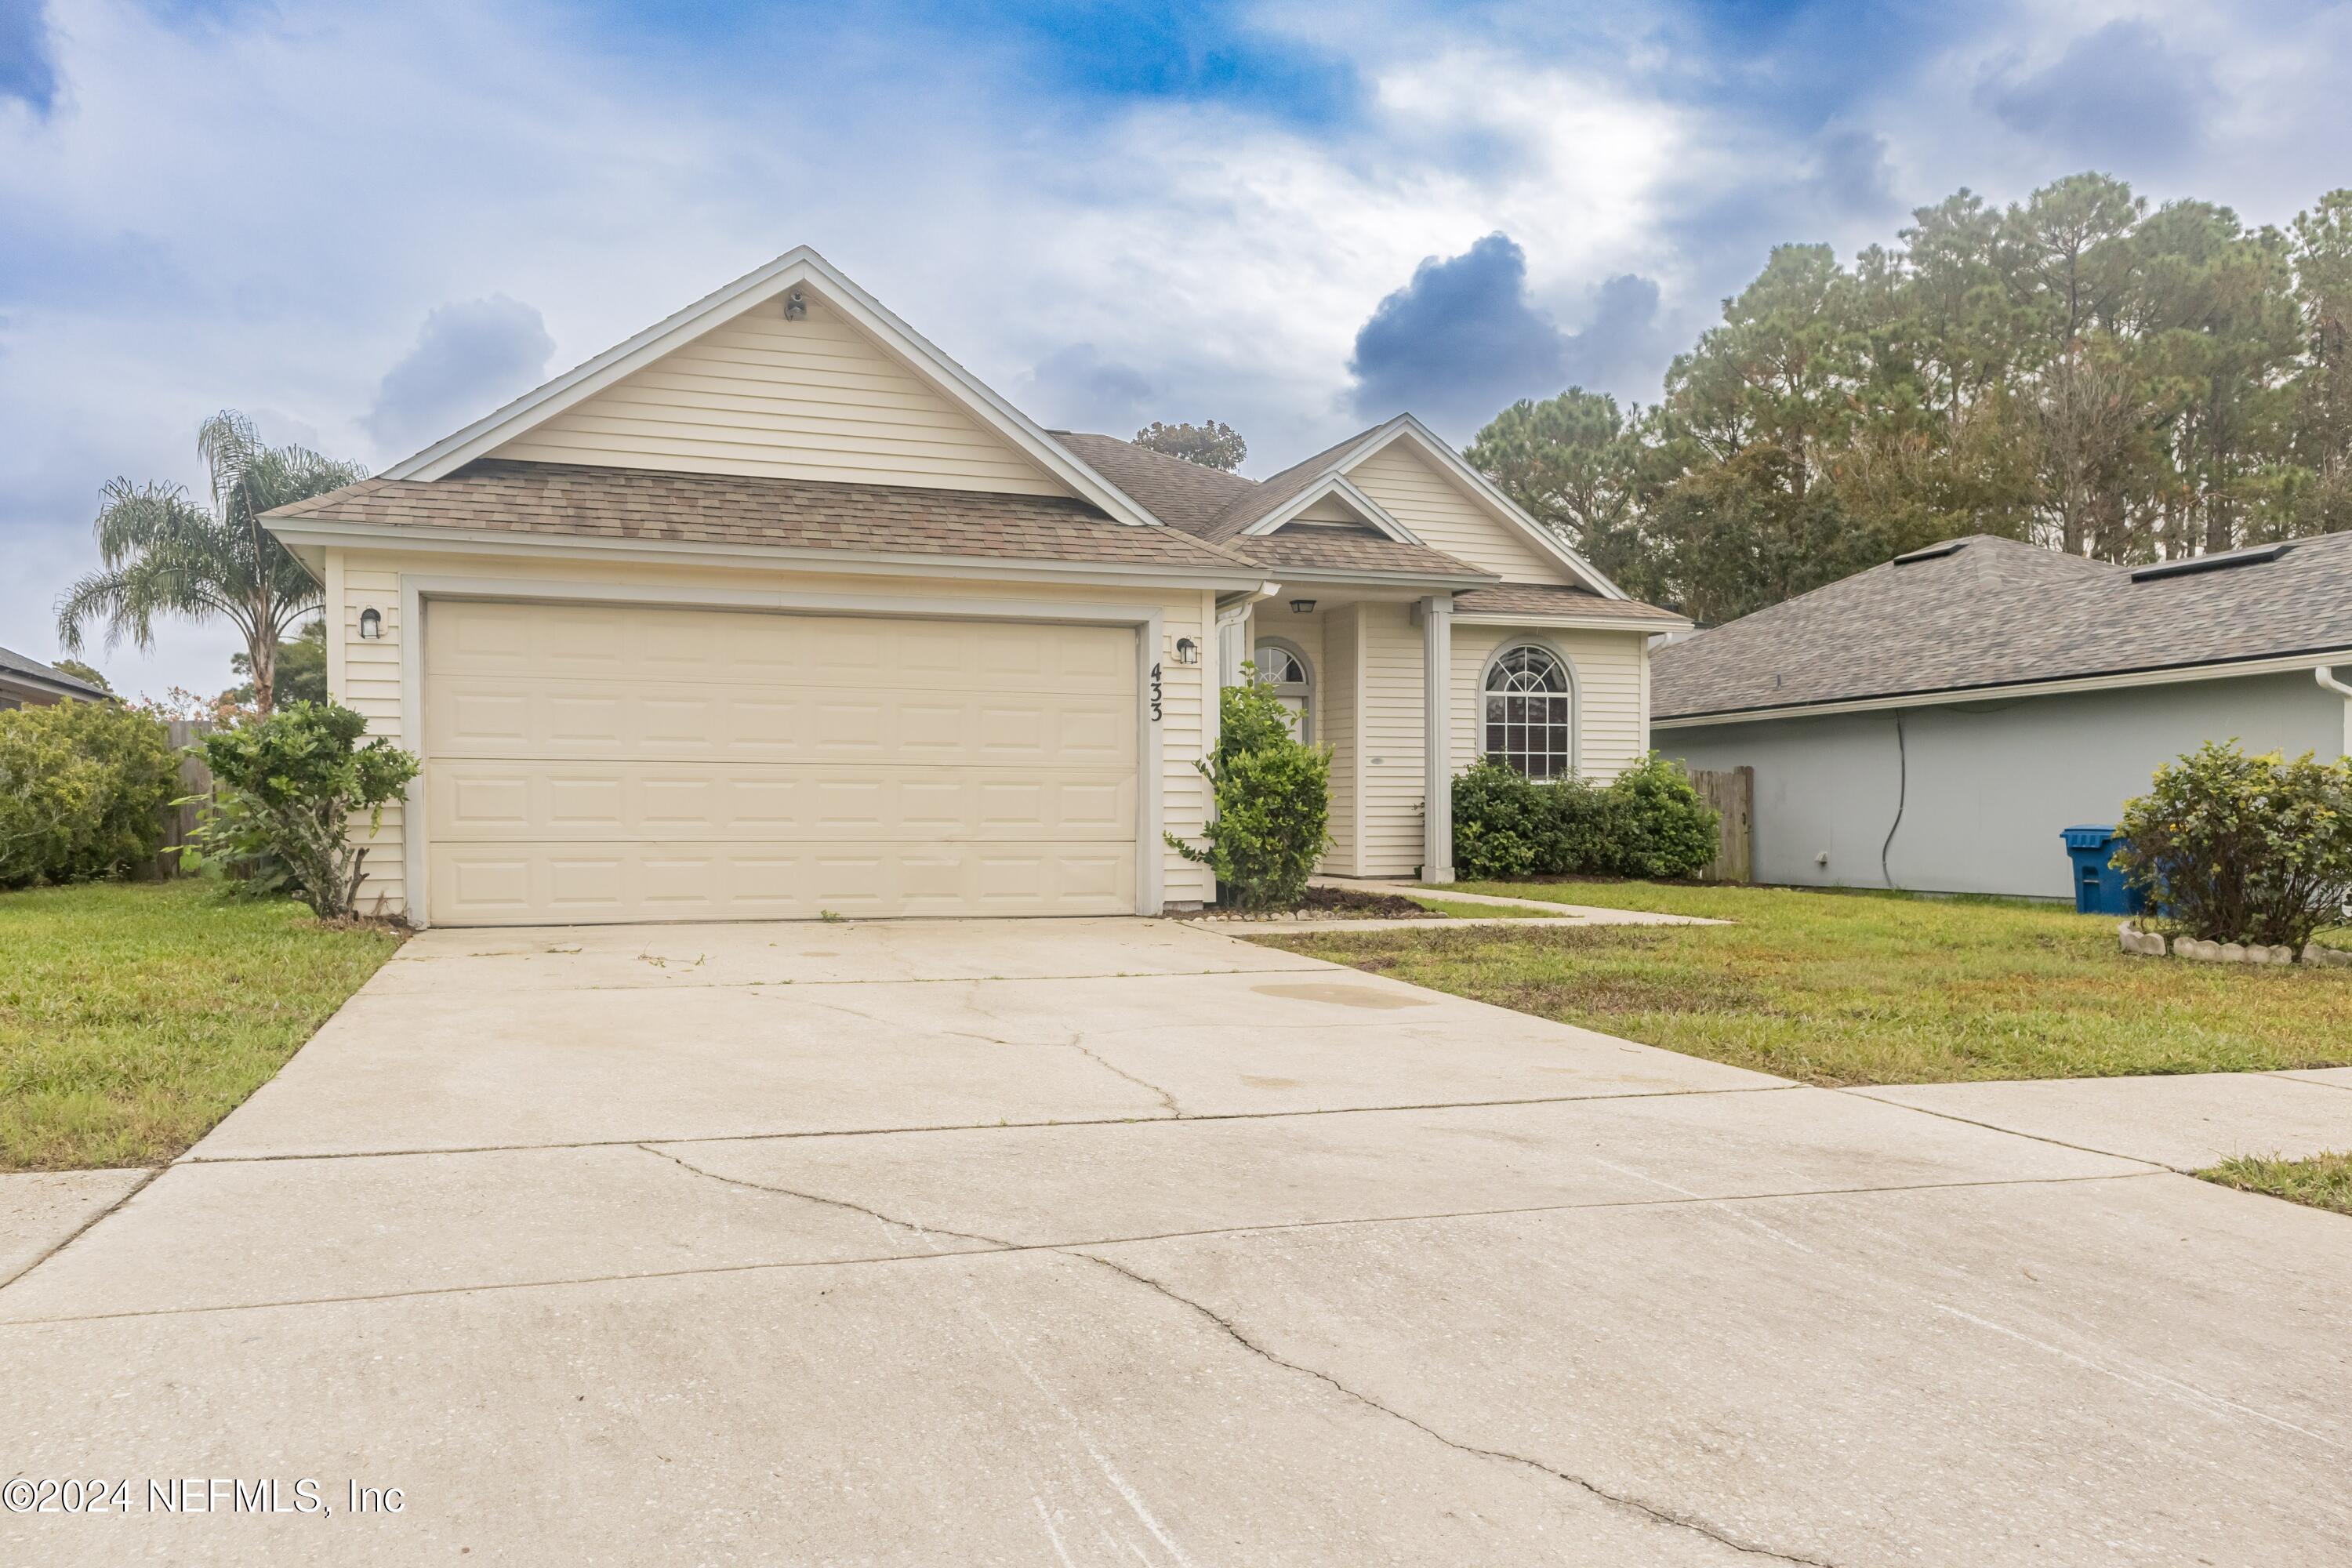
[365, 224]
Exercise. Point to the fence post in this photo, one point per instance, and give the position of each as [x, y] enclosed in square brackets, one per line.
[196, 779]
[1732, 793]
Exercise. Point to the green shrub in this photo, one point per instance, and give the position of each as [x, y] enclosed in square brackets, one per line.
[1663, 829]
[83, 786]
[1272, 798]
[291, 783]
[2239, 848]
[1648, 822]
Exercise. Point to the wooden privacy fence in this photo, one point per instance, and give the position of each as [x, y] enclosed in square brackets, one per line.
[196, 779]
[1732, 793]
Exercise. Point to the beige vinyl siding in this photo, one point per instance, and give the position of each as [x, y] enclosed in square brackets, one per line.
[813, 399]
[1330, 509]
[1341, 689]
[1183, 738]
[1390, 736]
[1611, 692]
[1442, 517]
[369, 684]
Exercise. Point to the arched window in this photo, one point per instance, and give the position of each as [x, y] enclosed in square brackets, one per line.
[1530, 703]
[1284, 668]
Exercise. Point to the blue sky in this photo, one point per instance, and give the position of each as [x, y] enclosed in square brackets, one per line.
[367, 224]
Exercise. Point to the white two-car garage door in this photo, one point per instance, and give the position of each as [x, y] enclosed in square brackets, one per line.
[588, 762]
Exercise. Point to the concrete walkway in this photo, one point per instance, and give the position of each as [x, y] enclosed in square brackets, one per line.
[1585, 914]
[1096, 1242]
[2185, 1122]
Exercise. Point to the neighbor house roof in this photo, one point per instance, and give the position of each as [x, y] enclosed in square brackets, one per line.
[23, 671]
[497, 497]
[1987, 613]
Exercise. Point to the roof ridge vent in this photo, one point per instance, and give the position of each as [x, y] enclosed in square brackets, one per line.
[1931, 552]
[2254, 554]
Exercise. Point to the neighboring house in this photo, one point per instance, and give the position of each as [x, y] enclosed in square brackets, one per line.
[774, 610]
[1935, 722]
[28, 683]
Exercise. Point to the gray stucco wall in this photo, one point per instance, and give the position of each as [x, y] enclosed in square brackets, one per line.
[1989, 784]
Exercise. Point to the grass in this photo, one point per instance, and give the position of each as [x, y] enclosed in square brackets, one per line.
[1470, 911]
[2323, 1181]
[135, 1015]
[1857, 988]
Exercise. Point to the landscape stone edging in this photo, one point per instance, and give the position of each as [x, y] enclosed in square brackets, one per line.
[2156, 945]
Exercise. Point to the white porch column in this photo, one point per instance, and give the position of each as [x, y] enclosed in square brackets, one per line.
[1437, 735]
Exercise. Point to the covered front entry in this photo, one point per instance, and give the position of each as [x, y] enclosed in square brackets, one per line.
[603, 763]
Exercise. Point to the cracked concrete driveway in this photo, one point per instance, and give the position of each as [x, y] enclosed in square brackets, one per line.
[1115, 1241]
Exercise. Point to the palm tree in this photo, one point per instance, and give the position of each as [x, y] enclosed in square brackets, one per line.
[164, 554]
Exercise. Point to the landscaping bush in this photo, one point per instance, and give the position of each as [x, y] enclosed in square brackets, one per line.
[290, 785]
[2239, 848]
[1664, 828]
[82, 790]
[1272, 797]
[1649, 822]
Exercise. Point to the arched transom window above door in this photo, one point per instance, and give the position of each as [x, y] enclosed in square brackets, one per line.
[1529, 720]
[1284, 668]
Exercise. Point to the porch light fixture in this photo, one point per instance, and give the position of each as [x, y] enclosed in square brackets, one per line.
[371, 623]
[1187, 651]
[1302, 606]
[795, 306]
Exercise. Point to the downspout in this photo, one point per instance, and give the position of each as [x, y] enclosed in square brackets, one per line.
[2325, 676]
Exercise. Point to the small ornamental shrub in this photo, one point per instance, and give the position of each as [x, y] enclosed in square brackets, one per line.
[83, 786]
[1663, 829]
[1648, 822]
[1272, 797]
[2239, 849]
[290, 785]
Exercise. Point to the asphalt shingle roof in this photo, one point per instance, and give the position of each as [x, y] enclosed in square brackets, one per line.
[1556, 599]
[32, 671]
[1996, 612]
[502, 497]
[1301, 549]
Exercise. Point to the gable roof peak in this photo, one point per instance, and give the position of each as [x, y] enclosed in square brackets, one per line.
[801, 266]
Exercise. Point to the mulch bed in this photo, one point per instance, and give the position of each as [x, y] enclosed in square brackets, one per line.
[1333, 904]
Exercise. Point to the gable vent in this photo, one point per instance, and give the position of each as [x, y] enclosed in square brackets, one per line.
[2218, 562]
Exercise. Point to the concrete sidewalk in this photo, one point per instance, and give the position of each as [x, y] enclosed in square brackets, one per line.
[2184, 1122]
[1094, 1242]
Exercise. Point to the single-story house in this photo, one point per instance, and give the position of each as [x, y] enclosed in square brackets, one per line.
[775, 610]
[26, 682]
[1935, 722]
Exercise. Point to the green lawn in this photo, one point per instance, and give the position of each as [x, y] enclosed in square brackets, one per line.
[1854, 988]
[133, 1017]
[2325, 1180]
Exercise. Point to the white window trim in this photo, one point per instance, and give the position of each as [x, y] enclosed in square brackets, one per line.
[418, 589]
[1308, 695]
[1575, 697]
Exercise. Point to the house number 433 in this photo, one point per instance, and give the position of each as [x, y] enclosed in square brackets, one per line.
[1155, 693]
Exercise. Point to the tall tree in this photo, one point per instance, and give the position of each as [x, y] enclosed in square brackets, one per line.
[2321, 432]
[1568, 462]
[1210, 444]
[162, 554]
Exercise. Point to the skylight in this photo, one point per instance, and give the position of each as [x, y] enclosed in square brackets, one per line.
[2221, 562]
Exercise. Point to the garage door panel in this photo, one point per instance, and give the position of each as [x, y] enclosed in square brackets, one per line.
[483, 800]
[611, 763]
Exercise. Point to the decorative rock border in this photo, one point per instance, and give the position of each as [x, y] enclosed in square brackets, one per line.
[2156, 945]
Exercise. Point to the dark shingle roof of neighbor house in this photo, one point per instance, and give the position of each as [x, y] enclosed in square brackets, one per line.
[1556, 599]
[20, 669]
[582, 499]
[1994, 612]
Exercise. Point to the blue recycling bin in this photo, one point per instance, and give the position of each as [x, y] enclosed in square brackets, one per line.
[2099, 888]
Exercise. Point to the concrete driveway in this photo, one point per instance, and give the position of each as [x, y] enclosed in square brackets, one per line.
[1096, 1241]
